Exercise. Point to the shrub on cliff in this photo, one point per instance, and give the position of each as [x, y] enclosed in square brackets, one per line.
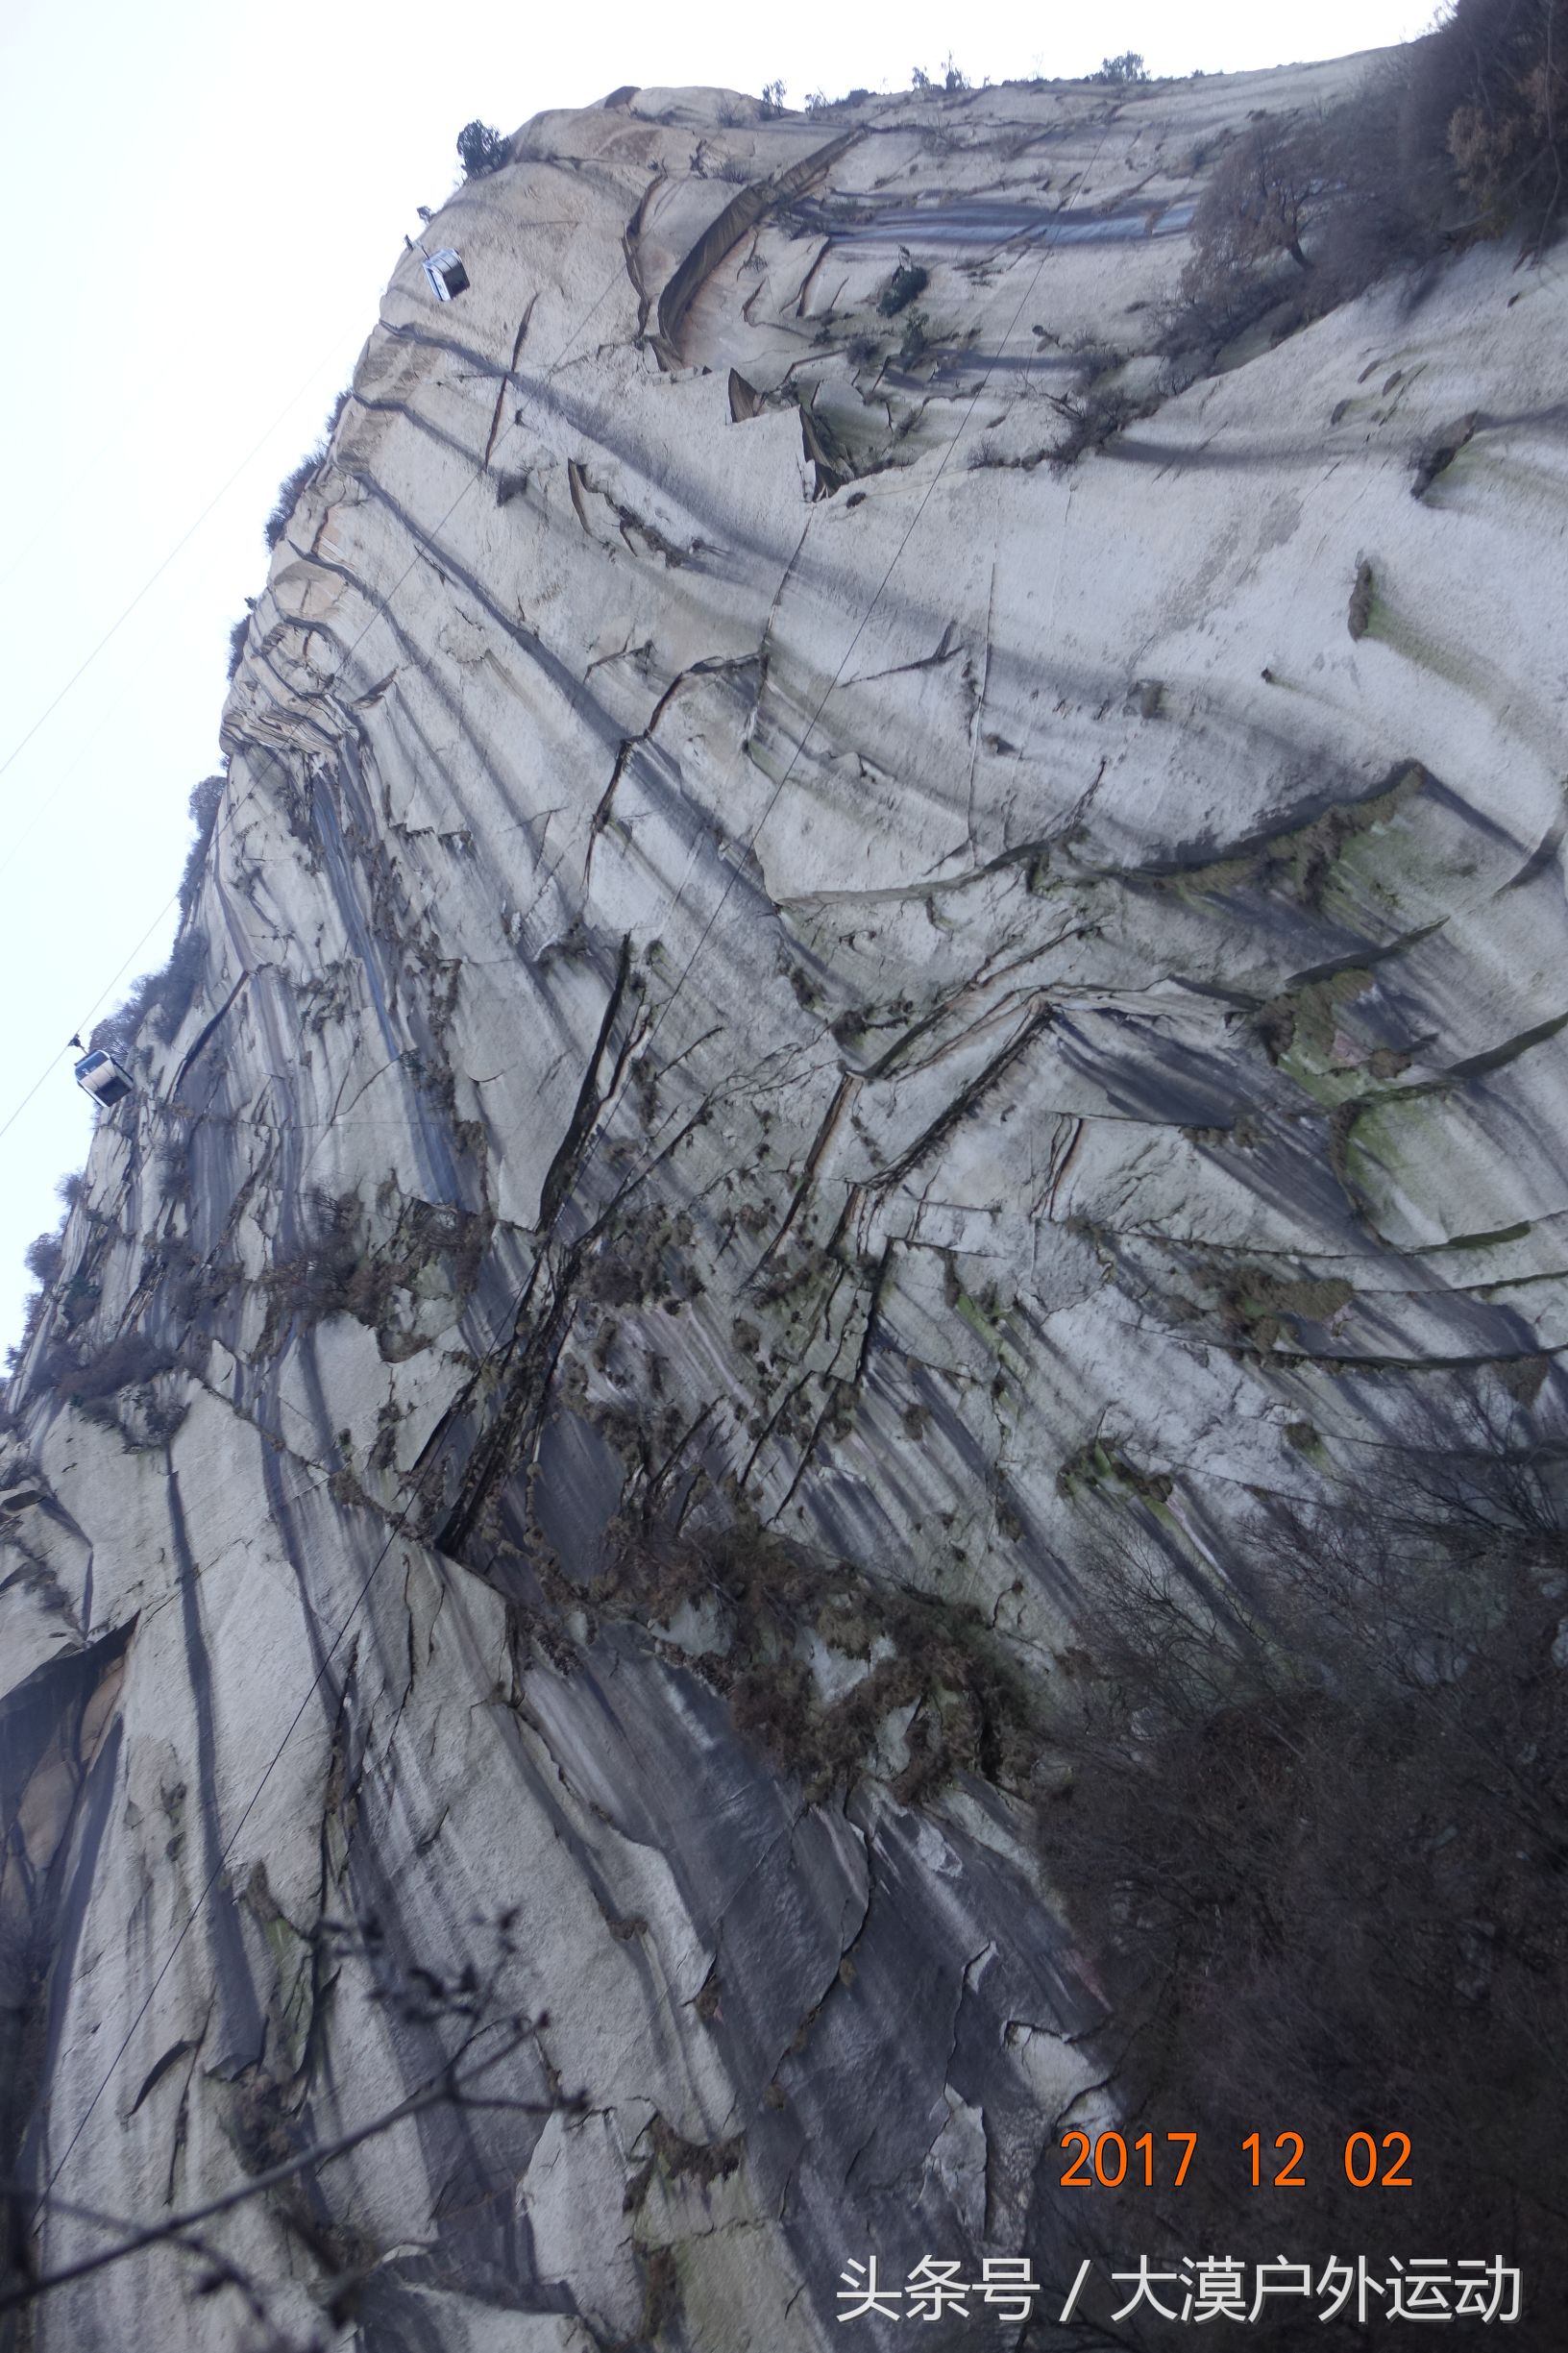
[912, 345]
[1091, 419]
[237, 634]
[1262, 196]
[162, 998]
[907, 281]
[44, 1259]
[1491, 84]
[44, 1255]
[1461, 135]
[479, 149]
[290, 488]
[204, 800]
[1299, 213]
[1128, 67]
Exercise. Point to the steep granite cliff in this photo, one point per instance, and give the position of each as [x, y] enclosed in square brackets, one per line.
[795, 1011]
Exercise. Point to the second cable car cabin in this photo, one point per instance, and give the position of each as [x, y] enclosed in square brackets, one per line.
[104, 1079]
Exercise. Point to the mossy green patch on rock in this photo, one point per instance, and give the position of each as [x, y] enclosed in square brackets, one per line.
[1298, 1026]
[1389, 1146]
[1493, 1240]
[1096, 1465]
[1297, 862]
[1258, 1303]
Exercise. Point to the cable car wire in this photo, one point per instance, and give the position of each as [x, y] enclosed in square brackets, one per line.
[153, 579]
[108, 987]
[382, 607]
[130, 419]
[42, 804]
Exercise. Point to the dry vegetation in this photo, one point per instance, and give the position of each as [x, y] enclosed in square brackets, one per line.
[1318, 1846]
[930, 1667]
[293, 484]
[1459, 136]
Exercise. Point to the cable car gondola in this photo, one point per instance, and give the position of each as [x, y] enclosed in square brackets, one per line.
[446, 274]
[104, 1079]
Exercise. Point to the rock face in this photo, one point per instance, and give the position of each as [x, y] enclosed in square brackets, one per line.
[795, 1010]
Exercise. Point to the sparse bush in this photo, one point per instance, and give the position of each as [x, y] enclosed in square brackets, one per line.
[164, 997]
[1095, 357]
[1380, 209]
[289, 491]
[1203, 318]
[954, 78]
[912, 345]
[480, 150]
[115, 1033]
[907, 281]
[1123, 69]
[1458, 136]
[204, 801]
[774, 1602]
[1260, 198]
[43, 1257]
[338, 1274]
[290, 488]
[237, 635]
[1313, 192]
[334, 414]
[1092, 419]
[918, 79]
[773, 99]
[178, 983]
[127, 1361]
[1508, 134]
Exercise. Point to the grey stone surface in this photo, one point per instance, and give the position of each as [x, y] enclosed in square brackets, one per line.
[769, 960]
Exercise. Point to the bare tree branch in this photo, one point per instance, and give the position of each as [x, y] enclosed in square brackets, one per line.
[450, 2087]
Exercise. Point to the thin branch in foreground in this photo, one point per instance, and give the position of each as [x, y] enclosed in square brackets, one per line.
[450, 2087]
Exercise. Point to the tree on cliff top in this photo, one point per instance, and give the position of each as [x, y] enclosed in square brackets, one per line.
[479, 149]
[1126, 69]
[1260, 198]
[1492, 84]
[1459, 136]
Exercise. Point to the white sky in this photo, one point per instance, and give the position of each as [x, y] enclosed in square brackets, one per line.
[205, 201]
